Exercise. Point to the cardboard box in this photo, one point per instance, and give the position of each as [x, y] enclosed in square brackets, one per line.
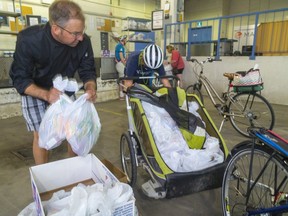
[121, 176]
[65, 174]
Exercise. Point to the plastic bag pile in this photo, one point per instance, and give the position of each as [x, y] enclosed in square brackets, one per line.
[173, 147]
[94, 200]
[77, 121]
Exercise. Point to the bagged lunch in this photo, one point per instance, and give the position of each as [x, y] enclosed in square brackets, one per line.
[82, 125]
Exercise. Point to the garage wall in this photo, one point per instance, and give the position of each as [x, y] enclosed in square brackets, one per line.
[96, 12]
[273, 68]
[273, 71]
[195, 9]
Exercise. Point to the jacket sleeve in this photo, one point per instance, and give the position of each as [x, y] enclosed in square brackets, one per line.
[21, 70]
[86, 68]
[131, 65]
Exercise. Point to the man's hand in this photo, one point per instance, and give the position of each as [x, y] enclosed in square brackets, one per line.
[127, 83]
[50, 96]
[166, 82]
[92, 95]
[90, 89]
[53, 95]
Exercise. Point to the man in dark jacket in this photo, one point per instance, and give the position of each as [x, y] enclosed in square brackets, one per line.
[43, 51]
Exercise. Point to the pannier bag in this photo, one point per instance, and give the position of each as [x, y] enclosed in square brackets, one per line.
[248, 81]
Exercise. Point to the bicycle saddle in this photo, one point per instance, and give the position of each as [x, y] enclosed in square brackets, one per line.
[230, 76]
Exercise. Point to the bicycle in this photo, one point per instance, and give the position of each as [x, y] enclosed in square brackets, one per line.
[243, 109]
[255, 180]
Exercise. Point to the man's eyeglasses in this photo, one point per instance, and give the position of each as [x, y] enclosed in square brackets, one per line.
[74, 34]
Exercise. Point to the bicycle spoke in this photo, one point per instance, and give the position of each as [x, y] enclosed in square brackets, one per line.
[264, 192]
[244, 109]
[248, 110]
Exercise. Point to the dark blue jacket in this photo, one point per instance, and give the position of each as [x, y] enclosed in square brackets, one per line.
[39, 57]
[135, 69]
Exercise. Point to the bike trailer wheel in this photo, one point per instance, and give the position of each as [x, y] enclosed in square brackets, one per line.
[128, 158]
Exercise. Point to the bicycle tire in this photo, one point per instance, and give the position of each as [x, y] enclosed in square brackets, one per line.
[250, 110]
[195, 89]
[128, 158]
[235, 182]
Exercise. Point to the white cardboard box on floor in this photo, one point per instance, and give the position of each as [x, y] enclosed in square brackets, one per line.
[64, 174]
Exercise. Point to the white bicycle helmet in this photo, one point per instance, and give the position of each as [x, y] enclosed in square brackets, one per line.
[153, 56]
[122, 37]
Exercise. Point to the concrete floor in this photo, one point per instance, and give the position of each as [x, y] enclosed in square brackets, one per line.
[15, 188]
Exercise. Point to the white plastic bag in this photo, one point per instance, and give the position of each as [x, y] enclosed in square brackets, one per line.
[252, 77]
[168, 69]
[95, 200]
[60, 82]
[82, 125]
[29, 210]
[64, 84]
[78, 202]
[51, 130]
[173, 147]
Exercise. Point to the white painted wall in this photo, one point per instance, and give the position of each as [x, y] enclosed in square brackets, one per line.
[274, 71]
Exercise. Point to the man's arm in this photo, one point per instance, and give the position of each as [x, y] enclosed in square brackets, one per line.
[86, 70]
[90, 88]
[123, 60]
[50, 96]
[128, 83]
[131, 68]
[166, 82]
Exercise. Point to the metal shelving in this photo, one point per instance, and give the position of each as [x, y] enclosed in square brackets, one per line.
[15, 15]
[136, 26]
[5, 61]
[139, 31]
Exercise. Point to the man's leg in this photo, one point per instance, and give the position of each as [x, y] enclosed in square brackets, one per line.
[70, 151]
[40, 154]
[120, 67]
[33, 109]
[121, 94]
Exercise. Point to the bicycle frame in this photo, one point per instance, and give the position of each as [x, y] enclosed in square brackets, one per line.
[223, 102]
[210, 89]
[273, 191]
[212, 93]
[276, 147]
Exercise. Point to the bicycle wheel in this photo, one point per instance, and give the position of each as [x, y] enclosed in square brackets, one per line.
[268, 183]
[250, 109]
[128, 158]
[195, 89]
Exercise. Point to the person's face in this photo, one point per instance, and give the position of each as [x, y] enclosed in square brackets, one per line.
[124, 42]
[169, 50]
[71, 34]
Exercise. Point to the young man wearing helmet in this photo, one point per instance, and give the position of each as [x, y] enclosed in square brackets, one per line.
[144, 64]
[120, 58]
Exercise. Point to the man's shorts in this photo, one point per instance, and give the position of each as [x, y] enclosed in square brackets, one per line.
[33, 110]
[120, 67]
